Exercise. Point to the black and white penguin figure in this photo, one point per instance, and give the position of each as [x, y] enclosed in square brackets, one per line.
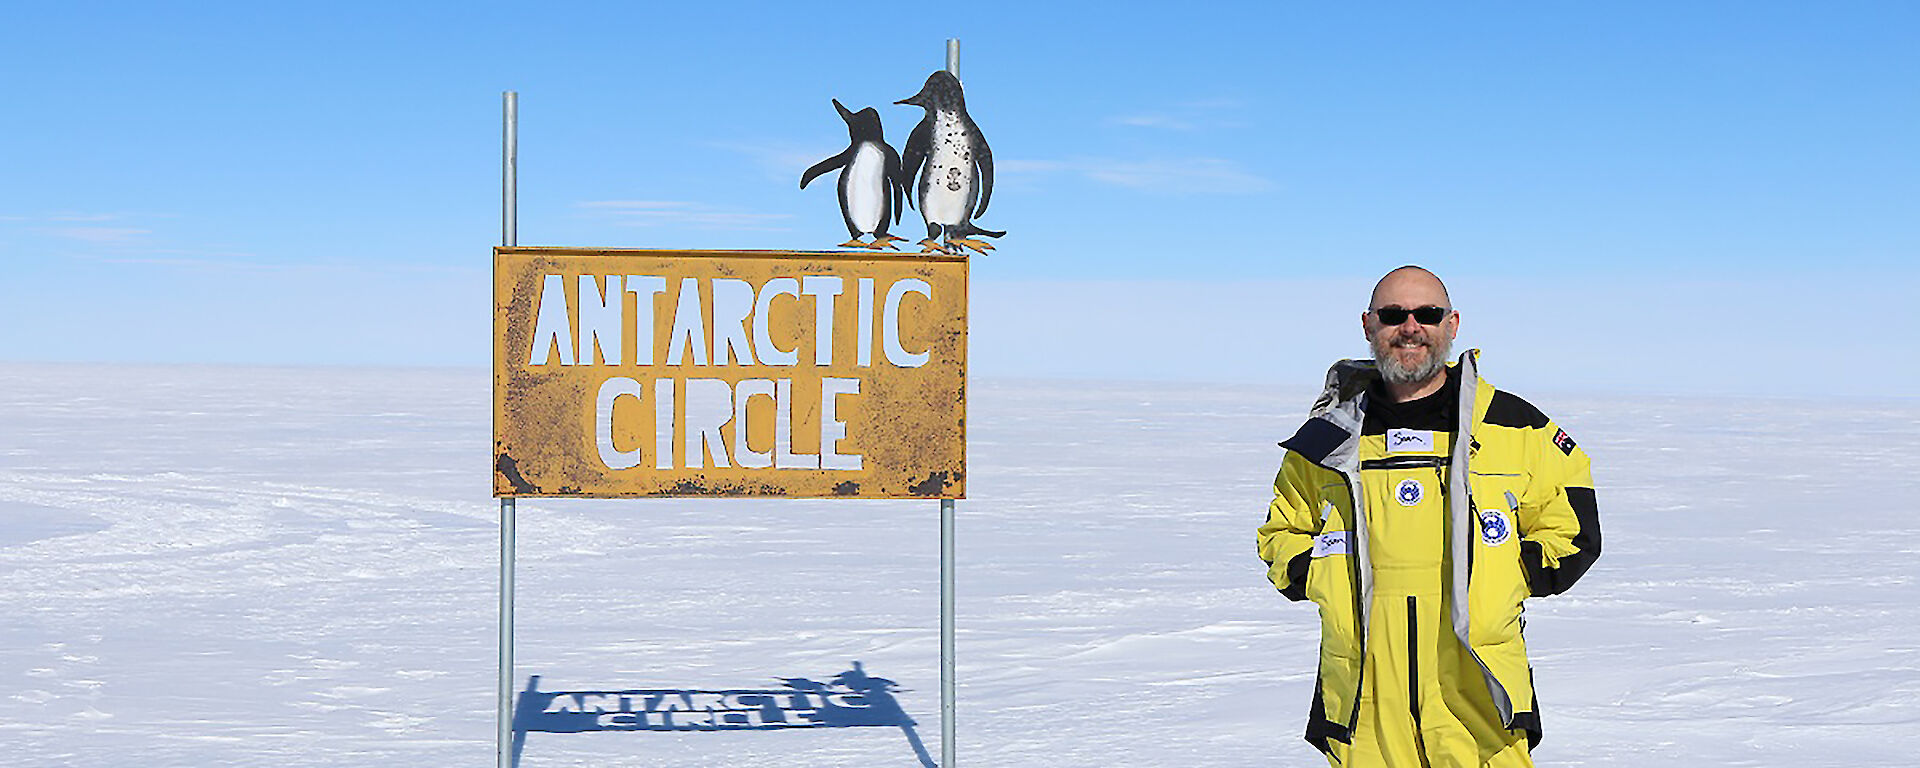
[954, 165]
[871, 180]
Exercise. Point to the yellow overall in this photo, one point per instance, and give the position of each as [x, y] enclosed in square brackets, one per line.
[1424, 702]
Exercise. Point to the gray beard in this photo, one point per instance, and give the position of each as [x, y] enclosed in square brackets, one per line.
[1395, 373]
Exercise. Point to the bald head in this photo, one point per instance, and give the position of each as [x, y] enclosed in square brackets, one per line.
[1411, 352]
[1410, 283]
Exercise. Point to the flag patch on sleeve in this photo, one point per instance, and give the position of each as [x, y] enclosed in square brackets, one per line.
[1563, 441]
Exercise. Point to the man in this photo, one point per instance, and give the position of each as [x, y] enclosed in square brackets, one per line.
[1414, 483]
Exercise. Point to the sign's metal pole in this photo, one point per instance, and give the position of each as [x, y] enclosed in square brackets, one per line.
[510, 171]
[505, 736]
[509, 222]
[946, 633]
[947, 743]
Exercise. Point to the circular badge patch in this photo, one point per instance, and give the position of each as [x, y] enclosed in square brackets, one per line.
[1410, 492]
[1493, 527]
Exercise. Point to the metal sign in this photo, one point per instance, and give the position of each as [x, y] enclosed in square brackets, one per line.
[637, 373]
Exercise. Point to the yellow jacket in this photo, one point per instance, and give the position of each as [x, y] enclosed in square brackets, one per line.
[1528, 526]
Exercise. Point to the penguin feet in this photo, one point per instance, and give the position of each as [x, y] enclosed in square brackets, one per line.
[884, 241]
[854, 242]
[931, 245]
[979, 246]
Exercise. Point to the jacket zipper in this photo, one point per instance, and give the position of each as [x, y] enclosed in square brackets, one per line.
[1413, 659]
[1405, 462]
[1361, 600]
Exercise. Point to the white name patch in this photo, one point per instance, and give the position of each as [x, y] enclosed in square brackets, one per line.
[1334, 543]
[1409, 440]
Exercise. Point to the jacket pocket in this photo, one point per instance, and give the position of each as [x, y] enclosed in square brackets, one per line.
[1330, 586]
[1499, 580]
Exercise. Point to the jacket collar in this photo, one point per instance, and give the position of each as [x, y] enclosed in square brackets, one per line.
[1331, 435]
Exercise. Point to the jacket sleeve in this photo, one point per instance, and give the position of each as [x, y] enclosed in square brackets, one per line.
[1286, 540]
[1558, 520]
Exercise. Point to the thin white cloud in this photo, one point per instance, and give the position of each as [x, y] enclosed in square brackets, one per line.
[1156, 120]
[1216, 103]
[243, 262]
[619, 205]
[1188, 116]
[238, 264]
[655, 213]
[780, 159]
[100, 235]
[96, 228]
[1175, 176]
[87, 217]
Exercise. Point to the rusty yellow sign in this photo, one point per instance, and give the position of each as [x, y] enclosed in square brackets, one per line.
[628, 373]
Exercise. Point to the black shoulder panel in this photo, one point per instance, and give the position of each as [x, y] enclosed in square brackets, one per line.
[1316, 438]
[1507, 410]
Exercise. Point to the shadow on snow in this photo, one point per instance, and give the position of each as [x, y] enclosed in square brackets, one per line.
[850, 699]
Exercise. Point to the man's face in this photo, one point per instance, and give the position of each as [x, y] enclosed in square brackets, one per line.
[1410, 352]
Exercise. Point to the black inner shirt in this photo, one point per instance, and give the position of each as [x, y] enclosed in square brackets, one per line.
[1438, 412]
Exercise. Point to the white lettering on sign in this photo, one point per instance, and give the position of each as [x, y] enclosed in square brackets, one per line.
[662, 414]
[704, 420]
[716, 430]
[709, 411]
[689, 328]
[770, 353]
[612, 390]
[740, 316]
[890, 334]
[863, 346]
[644, 288]
[600, 320]
[552, 328]
[783, 455]
[743, 393]
[823, 290]
[831, 428]
[732, 303]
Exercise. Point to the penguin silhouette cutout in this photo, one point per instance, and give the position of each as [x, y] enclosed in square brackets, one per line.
[871, 180]
[953, 165]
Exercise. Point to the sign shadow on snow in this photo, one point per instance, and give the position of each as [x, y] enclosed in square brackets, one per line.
[850, 699]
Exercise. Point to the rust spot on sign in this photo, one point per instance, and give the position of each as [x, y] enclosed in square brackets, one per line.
[846, 488]
[511, 471]
[932, 486]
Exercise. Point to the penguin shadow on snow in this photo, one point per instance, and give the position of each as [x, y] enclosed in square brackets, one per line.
[947, 173]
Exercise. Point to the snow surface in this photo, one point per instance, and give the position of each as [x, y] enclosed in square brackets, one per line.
[246, 566]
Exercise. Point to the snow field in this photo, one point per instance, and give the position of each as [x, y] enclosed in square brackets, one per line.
[253, 566]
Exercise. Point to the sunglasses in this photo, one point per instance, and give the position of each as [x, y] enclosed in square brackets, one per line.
[1398, 315]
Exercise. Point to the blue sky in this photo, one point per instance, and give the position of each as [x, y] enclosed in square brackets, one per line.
[1643, 196]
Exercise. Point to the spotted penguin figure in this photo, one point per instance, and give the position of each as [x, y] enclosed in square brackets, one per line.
[954, 167]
